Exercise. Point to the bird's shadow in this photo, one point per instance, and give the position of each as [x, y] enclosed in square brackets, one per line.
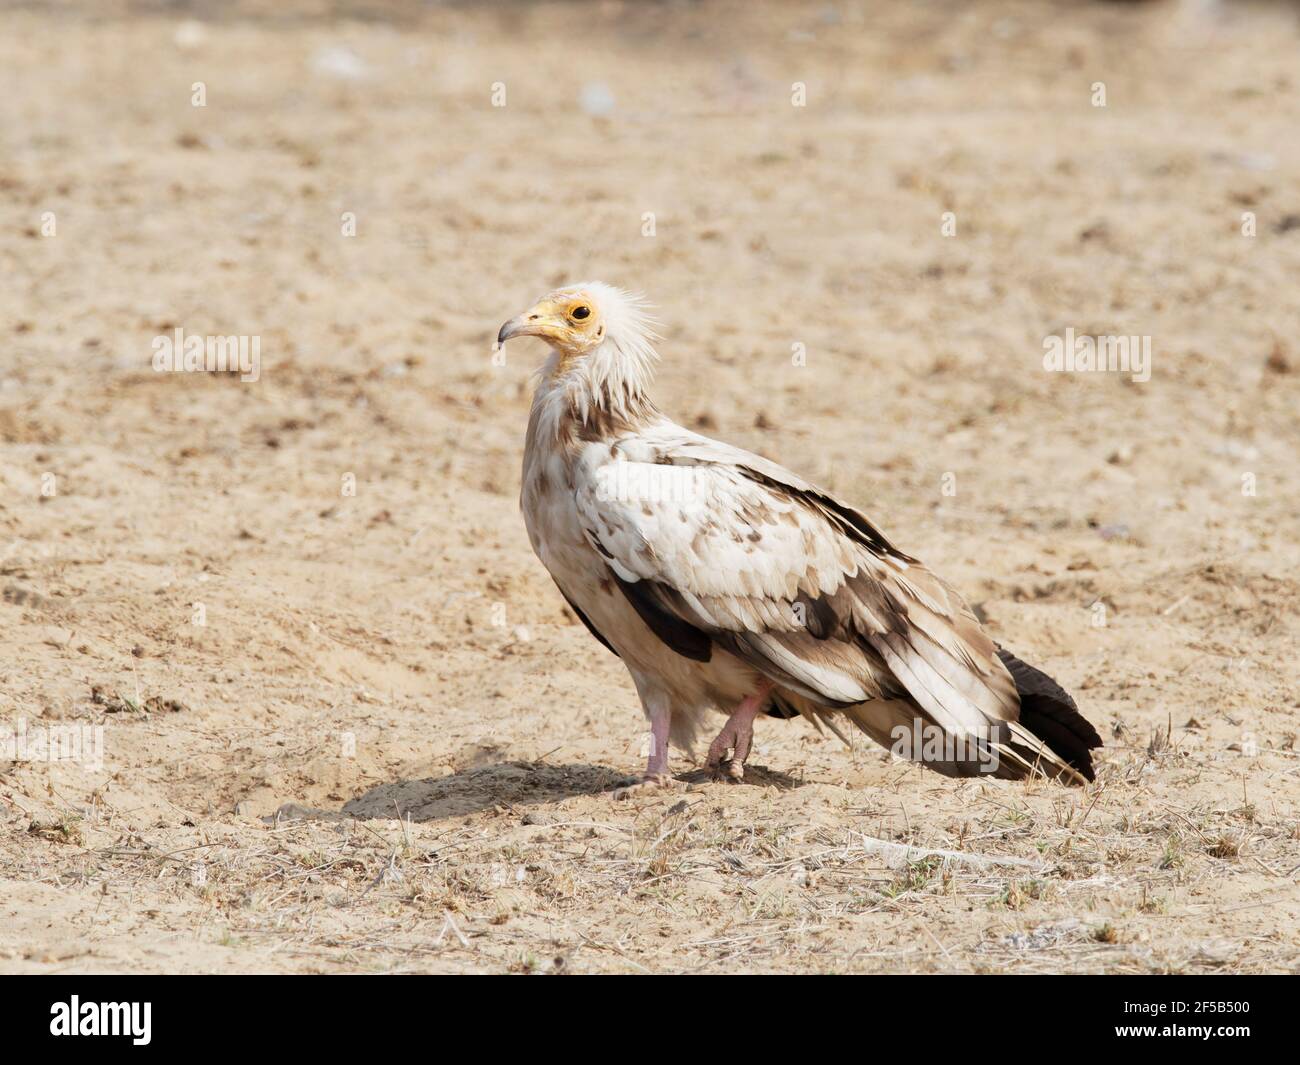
[510, 785]
[758, 776]
[505, 784]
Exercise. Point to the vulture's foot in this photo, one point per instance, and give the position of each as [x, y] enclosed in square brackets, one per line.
[728, 752]
[649, 783]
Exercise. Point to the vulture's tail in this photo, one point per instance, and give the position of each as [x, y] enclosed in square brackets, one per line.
[1050, 739]
[1052, 718]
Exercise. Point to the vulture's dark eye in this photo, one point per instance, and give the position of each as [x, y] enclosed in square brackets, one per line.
[581, 312]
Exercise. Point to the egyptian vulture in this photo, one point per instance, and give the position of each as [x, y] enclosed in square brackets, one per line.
[728, 584]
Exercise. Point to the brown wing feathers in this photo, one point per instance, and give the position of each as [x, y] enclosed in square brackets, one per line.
[650, 600]
[862, 624]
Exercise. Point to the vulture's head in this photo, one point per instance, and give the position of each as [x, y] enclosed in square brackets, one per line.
[571, 320]
[578, 319]
[602, 341]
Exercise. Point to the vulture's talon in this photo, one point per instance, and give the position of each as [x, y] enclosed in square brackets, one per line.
[728, 771]
[651, 782]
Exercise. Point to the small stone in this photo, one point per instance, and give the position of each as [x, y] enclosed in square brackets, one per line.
[597, 99]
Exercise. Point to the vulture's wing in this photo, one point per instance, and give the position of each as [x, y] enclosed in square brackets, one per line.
[714, 545]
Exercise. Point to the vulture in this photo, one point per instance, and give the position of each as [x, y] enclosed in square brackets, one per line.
[729, 585]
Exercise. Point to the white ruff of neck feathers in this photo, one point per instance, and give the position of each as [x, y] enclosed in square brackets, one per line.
[614, 378]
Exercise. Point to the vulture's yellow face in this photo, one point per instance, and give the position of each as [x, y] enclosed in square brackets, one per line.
[569, 320]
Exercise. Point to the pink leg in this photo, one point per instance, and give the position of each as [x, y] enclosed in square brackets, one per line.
[657, 766]
[656, 771]
[737, 735]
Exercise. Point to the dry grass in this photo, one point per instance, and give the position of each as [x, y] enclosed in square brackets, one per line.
[719, 878]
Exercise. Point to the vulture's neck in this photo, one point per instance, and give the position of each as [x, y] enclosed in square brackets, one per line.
[604, 393]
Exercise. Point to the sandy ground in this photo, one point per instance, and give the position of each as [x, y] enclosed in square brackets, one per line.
[360, 732]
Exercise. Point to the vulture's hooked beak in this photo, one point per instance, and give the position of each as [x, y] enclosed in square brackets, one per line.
[542, 321]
